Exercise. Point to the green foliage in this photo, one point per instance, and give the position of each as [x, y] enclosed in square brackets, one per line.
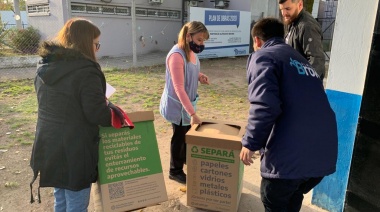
[11, 185]
[8, 5]
[3, 35]
[26, 40]
[308, 5]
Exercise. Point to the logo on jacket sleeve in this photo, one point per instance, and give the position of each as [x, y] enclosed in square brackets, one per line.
[303, 69]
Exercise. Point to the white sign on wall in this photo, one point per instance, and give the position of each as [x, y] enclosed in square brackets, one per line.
[229, 31]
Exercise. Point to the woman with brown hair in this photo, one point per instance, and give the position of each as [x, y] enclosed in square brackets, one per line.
[179, 99]
[70, 89]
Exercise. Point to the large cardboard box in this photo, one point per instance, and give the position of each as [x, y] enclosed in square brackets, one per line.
[130, 171]
[214, 169]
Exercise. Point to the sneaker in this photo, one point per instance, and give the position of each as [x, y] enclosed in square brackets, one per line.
[181, 178]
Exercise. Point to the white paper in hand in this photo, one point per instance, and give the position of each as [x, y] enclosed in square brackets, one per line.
[109, 90]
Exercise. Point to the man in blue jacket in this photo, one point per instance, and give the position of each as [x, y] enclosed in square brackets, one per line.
[290, 120]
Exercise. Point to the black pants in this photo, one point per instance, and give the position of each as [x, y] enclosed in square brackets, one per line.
[281, 195]
[178, 149]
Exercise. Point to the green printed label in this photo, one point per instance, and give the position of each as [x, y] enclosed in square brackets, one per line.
[126, 154]
[212, 158]
[222, 155]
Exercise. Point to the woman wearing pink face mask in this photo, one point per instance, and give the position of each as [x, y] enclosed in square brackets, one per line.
[179, 99]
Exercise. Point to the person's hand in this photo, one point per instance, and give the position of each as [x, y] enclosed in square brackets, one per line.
[204, 79]
[195, 119]
[246, 156]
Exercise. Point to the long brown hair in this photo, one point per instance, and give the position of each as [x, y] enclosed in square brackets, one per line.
[192, 28]
[79, 34]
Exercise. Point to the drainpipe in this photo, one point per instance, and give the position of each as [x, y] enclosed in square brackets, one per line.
[17, 16]
[183, 12]
[134, 35]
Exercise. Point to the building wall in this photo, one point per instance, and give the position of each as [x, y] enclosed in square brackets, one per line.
[344, 87]
[264, 8]
[273, 8]
[259, 9]
[116, 38]
[241, 5]
[153, 34]
[315, 9]
[49, 24]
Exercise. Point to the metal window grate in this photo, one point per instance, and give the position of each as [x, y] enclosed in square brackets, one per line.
[78, 8]
[39, 9]
[93, 9]
[141, 12]
[124, 11]
[99, 9]
[108, 10]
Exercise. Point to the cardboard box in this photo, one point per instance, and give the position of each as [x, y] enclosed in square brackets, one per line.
[214, 169]
[130, 171]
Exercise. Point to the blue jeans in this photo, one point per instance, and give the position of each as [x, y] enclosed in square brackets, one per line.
[71, 201]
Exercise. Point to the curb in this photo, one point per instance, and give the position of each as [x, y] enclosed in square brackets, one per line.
[18, 62]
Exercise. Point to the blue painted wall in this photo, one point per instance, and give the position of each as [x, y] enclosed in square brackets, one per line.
[7, 17]
[330, 193]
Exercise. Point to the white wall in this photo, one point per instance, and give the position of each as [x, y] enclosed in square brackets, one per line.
[315, 9]
[51, 24]
[241, 5]
[351, 46]
[159, 33]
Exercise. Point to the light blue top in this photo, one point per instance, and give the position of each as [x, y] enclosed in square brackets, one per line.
[171, 107]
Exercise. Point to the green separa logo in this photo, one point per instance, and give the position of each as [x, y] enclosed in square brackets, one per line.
[194, 149]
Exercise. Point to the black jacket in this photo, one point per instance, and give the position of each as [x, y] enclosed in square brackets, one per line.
[305, 35]
[71, 105]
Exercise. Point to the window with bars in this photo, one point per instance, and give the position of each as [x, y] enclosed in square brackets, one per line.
[152, 13]
[158, 13]
[125, 11]
[108, 10]
[175, 14]
[100, 9]
[78, 8]
[38, 10]
[93, 9]
[141, 12]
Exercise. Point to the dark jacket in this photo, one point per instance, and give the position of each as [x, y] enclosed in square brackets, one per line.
[71, 105]
[305, 35]
[290, 118]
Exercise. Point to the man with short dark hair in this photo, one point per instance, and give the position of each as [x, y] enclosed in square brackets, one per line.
[290, 120]
[303, 33]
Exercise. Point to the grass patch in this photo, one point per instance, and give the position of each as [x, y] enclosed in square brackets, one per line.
[136, 89]
[16, 88]
[11, 184]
